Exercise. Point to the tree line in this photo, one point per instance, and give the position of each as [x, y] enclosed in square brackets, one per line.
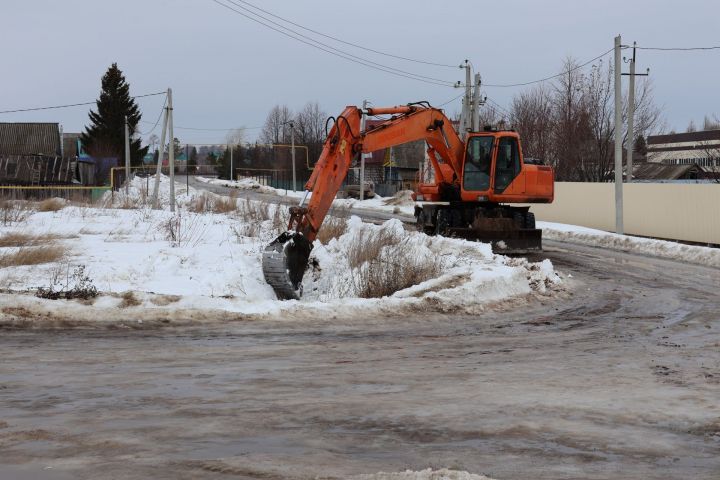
[570, 123]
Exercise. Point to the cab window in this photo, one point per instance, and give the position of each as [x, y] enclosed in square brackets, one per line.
[478, 158]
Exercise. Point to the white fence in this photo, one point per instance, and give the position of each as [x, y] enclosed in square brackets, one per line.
[688, 212]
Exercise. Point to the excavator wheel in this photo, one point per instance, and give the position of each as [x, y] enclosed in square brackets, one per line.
[284, 262]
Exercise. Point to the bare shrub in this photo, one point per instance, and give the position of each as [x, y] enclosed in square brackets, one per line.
[74, 285]
[13, 212]
[332, 227]
[251, 211]
[184, 230]
[129, 300]
[280, 218]
[225, 204]
[51, 205]
[33, 256]
[200, 204]
[383, 262]
[396, 268]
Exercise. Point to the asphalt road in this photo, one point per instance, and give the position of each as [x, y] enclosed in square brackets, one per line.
[616, 377]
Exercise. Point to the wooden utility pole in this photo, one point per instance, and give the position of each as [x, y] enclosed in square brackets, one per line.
[161, 153]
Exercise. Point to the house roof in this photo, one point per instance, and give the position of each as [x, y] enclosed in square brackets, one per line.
[29, 138]
[660, 171]
[702, 136]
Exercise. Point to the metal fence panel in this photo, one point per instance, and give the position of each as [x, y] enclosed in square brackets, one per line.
[687, 212]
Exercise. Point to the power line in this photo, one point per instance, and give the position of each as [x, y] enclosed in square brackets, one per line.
[342, 52]
[451, 100]
[565, 72]
[496, 106]
[332, 50]
[678, 49]
[217, 129]
[34, 109]
[346, 42]
[157, 121]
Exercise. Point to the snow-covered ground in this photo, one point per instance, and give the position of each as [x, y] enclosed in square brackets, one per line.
[193, 262]
[646, 246]
[399, 204]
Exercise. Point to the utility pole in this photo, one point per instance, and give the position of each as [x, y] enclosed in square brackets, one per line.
[618, 141]
[171, 151]
[363, 121]
[158, 168]
[631, 114]
[292, 153]
[465, 113]
[232, 177]
[127, 157]
[187, 169]
[476, 105]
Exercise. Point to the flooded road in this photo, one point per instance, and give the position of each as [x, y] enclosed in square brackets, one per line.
[618, 377]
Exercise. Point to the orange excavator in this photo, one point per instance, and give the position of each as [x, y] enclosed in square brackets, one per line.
[475, 182]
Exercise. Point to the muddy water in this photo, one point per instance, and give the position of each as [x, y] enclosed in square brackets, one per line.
[617, 378]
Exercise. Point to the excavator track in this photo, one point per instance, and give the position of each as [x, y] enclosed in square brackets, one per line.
[284, 262]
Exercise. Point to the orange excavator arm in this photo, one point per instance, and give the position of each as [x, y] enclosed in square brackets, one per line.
[345, 141]
[285, 259]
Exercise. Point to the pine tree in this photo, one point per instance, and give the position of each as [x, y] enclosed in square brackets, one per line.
[105, 137]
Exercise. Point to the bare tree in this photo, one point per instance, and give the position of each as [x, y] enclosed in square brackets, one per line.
[236, 136]
[310, 129]
[276, 128]
[532, 115]
[691, 127]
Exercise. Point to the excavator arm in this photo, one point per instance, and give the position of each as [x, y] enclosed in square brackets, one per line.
[286, 258]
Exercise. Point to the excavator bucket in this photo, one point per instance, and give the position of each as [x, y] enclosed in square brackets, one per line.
[284, 262]
[504, 242]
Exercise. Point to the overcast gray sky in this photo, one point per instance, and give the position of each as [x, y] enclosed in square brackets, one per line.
[227, 71]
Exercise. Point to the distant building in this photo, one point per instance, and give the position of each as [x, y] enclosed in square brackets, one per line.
[43, 139]
[659, 172]
[700, 148]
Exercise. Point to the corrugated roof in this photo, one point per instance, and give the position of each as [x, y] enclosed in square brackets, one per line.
[660, 171]
[29, 138]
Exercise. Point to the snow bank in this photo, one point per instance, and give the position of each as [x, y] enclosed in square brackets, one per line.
[189, 263]
[627, 243]
[428, 474]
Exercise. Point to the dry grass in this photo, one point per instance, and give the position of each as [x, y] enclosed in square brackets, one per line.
[33, 256]
[199, 204]
[332, 227]
[17, 239]
[225, 204]
[384, 263]
[368, 245]
[51, 205]
[129, 300]
[250, 211]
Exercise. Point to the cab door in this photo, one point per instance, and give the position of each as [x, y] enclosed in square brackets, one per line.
[506, 177]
